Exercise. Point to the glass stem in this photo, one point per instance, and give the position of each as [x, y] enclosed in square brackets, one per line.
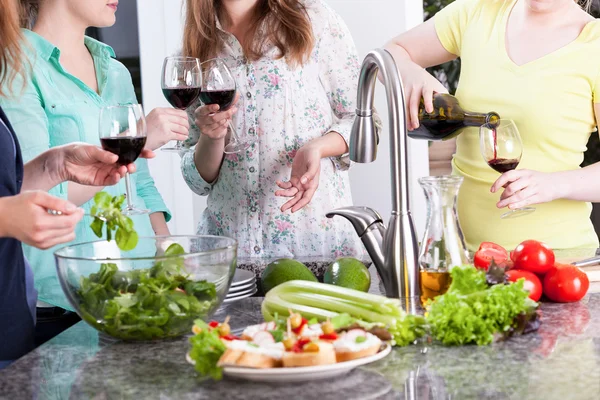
[234, 137]
[128, 191]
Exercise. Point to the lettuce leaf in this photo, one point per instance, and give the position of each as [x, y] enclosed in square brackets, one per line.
[471, 312]
[207, 349]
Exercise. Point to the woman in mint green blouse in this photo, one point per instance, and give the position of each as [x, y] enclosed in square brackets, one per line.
[71, 78]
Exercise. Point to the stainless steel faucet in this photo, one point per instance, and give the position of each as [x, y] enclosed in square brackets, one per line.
[394, 250]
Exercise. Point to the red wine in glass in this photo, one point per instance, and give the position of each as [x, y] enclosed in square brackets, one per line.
[181, 97]
[503, 165]
[126, 147]
[180, 83]
[224, 98]
[122, 131]
[501, 147]
[219, 87]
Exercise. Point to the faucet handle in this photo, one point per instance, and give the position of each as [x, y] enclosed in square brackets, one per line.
[360, 217]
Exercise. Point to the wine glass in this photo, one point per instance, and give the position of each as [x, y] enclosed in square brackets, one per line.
[180, 82]
[219, 87]
[123, 132]
[502, 148]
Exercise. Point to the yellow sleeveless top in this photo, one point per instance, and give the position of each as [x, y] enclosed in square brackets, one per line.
[551, 101]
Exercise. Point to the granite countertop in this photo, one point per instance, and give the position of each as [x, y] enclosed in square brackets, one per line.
[561, 361]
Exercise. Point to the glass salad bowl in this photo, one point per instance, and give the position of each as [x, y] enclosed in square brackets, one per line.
[155, 291]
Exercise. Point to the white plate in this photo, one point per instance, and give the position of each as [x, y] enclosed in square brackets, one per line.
[233, 299]
[242, 276]
[241, 295]
[242, 288]
[300, 374]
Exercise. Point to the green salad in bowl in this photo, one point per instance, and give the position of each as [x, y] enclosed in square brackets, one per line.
[144, 288]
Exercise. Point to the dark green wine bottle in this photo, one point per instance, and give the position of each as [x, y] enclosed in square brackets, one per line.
[447, 119]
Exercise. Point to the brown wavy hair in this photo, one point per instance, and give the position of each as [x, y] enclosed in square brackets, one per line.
[285, 24]
[29, 12]
[10, 43]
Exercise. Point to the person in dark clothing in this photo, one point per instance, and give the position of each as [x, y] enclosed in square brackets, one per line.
[24, 203]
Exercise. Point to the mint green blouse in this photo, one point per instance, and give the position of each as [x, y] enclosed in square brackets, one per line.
[53, 108]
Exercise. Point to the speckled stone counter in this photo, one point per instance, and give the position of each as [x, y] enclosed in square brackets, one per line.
[561, 361]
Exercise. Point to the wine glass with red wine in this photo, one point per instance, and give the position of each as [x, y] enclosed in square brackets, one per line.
[502, 148]
[181, 80]
[219, 87]
[123, 132]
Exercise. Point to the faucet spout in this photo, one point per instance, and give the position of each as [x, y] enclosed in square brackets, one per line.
[396, 254]
[363, 140]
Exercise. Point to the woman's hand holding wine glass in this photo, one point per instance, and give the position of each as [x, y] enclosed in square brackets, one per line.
[525, 187]
[501, 147]
[212, 123]
[164, 125]
[219, 87]
[123, 132]
[180, 82]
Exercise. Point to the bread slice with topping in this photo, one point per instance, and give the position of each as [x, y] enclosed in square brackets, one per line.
[321, 353]
[356, 344]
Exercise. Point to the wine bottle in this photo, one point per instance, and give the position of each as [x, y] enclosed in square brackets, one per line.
[447, 119]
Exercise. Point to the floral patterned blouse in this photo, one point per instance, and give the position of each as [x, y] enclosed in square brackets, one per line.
[285, 108]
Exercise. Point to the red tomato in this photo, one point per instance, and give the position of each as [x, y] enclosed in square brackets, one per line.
[491, 245]
[488, 251]
[533, 256]
[532, 283]
[565, 283]
[329, 336]
[512, 255]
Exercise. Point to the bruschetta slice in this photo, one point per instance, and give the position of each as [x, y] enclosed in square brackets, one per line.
[241, 353]
[311, 354]
[356, 344]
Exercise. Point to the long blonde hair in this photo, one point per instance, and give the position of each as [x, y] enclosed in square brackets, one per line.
[10, 44]
[285, 24]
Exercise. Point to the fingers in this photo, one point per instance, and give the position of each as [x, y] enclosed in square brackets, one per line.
[49, 202]
[206, 110]
[289, 192]
[311, 173]
[413, 108]
[290, 203]
[51, 238]
[506, 178]
[428, 98]
[98, 154]
[180, 132]
[58, 238]
[178, 120]
[514, 187]
[306, 198]
[146, 153]
[520, 199]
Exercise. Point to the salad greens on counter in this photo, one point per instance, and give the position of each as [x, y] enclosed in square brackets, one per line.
[145, 304]
[479, 308]
[107, 209]
[141, 304]
[207, 349]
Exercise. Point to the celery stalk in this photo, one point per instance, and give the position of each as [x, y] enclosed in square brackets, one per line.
[380, 303]
[332, 304]
[322, 301]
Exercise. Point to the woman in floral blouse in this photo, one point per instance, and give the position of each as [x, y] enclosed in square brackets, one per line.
[296, 69]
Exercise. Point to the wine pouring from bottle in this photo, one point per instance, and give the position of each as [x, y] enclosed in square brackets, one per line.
[448, 118]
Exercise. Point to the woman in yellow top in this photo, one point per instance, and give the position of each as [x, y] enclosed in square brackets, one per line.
[536, 62]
